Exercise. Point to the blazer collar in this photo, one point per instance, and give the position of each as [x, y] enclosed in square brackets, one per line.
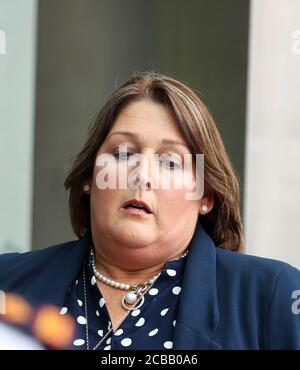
[198, 312]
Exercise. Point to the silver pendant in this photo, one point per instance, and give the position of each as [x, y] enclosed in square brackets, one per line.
[132, 298]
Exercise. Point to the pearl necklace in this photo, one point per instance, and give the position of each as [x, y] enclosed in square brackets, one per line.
[132, 300]
[113, 327]
[140, 295]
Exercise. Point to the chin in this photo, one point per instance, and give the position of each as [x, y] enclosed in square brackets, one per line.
[135, 235]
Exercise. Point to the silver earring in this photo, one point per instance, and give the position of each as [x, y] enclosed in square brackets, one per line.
[204, 208]
[86, 188]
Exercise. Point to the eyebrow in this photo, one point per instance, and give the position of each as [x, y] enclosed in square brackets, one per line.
[164, 141]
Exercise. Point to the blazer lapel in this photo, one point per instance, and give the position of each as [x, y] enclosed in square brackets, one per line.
[198, 312]
[52, 284]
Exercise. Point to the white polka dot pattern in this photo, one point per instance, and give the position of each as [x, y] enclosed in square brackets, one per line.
[153, 332]
[149, 327]
[140, 322]
[63, 311]
[163, 312]
[168, 345]
[136, 312]
[176, 290]
[119, 332]
[153, 291]
[126, 342]
[171, 272]
[79, 342]
[81, 320]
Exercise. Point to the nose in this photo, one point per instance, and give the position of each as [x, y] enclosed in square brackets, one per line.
[140, 177]
[142, 183]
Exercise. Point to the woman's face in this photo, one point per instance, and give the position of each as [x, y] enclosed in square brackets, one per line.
[147, 128]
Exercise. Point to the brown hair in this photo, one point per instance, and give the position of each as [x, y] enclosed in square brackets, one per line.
[223, 223]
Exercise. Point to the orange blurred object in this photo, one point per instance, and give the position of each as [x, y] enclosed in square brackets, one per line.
[17, 310]
[52, 328]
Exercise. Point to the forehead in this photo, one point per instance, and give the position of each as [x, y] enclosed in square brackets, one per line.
[147, 118]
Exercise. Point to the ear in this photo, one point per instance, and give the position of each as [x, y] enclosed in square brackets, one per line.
[206, 203]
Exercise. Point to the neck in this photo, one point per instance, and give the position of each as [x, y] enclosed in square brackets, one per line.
[122, 275]
[134, 264]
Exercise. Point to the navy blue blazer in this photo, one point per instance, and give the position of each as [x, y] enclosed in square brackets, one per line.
[228, 300]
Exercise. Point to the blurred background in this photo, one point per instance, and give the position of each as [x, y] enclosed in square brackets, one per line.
[60, 59]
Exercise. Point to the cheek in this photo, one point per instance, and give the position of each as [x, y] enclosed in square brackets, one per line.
[102, 200]
[174, 209]
[113, 175]
[175, 203]
[183, 182]
[183, 179]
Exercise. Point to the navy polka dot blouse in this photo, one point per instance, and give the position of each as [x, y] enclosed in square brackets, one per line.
[149, 327]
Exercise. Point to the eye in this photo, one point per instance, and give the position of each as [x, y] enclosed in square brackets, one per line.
[173, 162]
[122, 154]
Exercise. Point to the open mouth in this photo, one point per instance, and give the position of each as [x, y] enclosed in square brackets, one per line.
[137, 207]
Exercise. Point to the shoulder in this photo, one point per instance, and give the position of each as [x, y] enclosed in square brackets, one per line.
[255, 280]
[267, 290]
[13, 259]
[252, 269]
[18, 266]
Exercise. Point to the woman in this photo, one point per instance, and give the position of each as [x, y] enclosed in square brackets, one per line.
[154, 267]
